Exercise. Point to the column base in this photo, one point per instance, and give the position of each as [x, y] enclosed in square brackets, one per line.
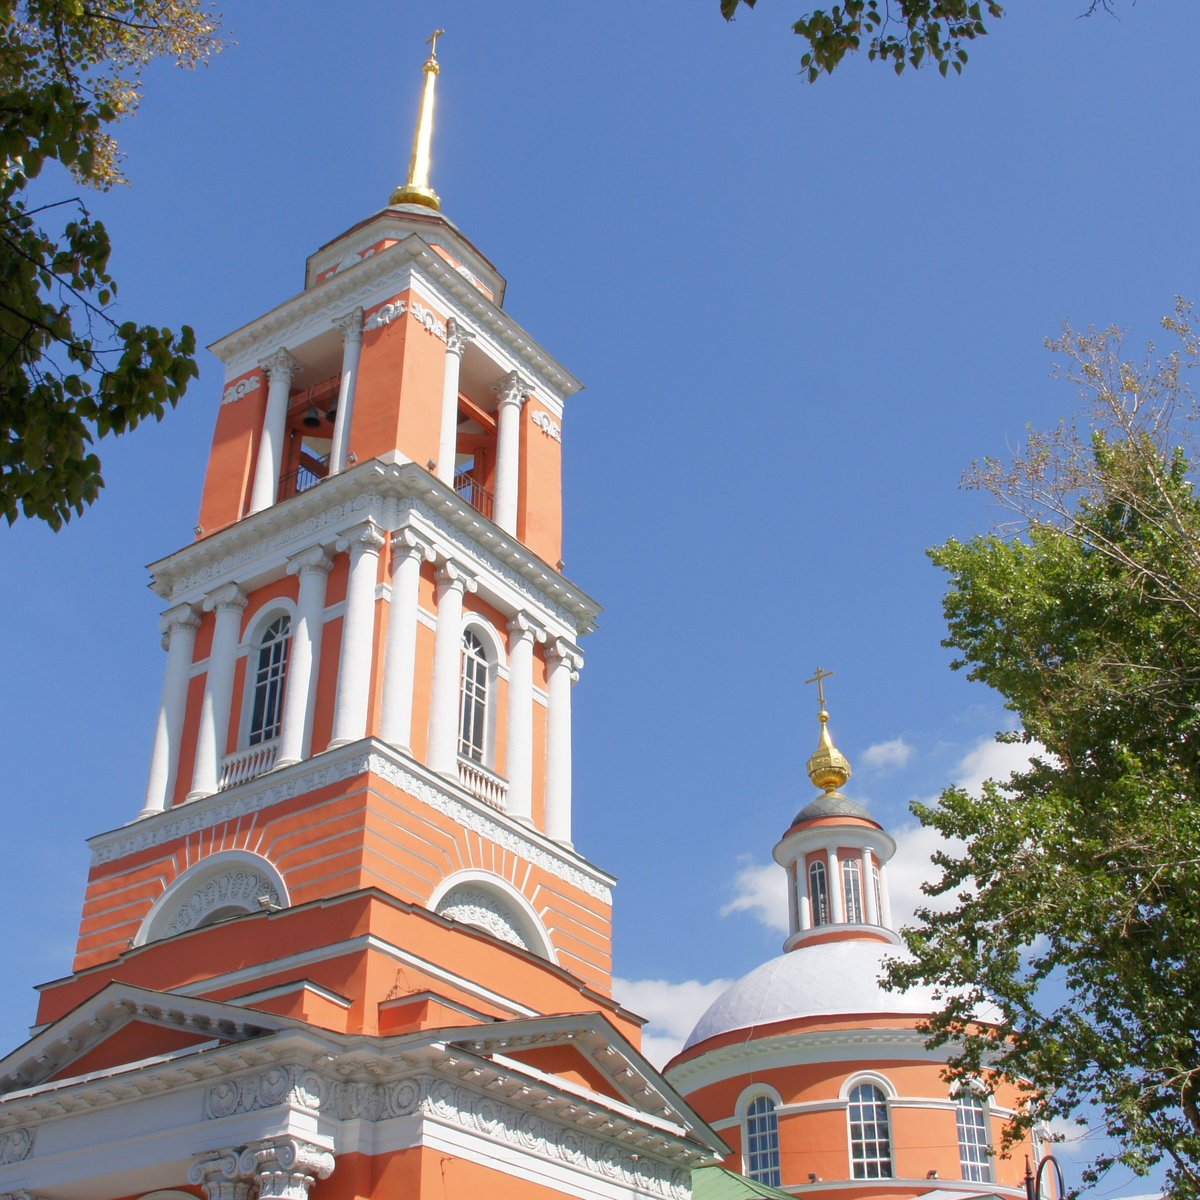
[197, 796]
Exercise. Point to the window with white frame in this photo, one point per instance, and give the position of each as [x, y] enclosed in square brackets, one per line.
[877, 884]
[870, 1133]
[852, 890]
[818, 893]
[270, 673]
[473, 710]
[971, 1116]
[762, 1141]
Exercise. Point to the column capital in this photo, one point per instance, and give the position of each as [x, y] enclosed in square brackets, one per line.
[454, 575]
[351, 326]
[521, 626]
[512, 389]
[182, 616]
[366, 538]
[565, 653]
[218, 1174]
[407, 543]
[280, 365]
[285, 1167]
[227, 597]
[314, 560]
[458, 337]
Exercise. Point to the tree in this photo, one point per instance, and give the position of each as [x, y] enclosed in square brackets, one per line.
[1073, 905]
[905, 33]
[72, 371]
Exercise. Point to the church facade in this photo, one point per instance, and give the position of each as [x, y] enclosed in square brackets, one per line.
[347, 947]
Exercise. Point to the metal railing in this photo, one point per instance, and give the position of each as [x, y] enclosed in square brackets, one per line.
[243, 765]
[299, 480]
[481, 783]
[474, 493]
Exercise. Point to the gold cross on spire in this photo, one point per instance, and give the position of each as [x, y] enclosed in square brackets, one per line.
[819, 679]
[418, 189]
[431, 42]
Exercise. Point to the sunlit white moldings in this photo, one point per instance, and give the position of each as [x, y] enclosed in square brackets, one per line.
[882, 1082]
[392, 494]
[239, 391]
[332, 767]
[386, 274]
[484, 899]
[425, 317]
[228, 880]
[547, 424]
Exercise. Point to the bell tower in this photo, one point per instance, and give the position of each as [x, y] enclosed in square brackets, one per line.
[361, 772]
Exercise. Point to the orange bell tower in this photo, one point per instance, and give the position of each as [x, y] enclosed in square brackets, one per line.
[370, 644]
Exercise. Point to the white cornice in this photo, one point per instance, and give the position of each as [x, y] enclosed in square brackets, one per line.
[332, 766]
[388, 493]
[378, 278]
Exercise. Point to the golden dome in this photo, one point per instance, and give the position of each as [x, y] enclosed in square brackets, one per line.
[828, 768]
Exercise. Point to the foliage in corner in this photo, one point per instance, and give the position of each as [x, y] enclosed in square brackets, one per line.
[905, 33]
[71, 372]
[1074, 913]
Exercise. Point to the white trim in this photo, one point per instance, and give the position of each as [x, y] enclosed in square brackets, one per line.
[882, 1082]
[264, 616]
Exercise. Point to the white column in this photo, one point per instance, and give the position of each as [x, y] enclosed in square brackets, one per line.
[219, 1175]
[868, 884]
[457, 339]
[565, 663]
[518, 754]
[802, 894]
[352, 336]
[280, 368]
[179, 625]
[358, 626]
[886, 915]
[285, 1168]
[442, 751]
[399, 668]
[228, 602]
[513, 390]
[295, 734]
[837, 905]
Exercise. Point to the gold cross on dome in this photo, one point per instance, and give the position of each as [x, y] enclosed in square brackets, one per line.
[431, 42]
[819, 679]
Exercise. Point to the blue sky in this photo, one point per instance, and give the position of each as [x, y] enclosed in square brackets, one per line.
[800, 312]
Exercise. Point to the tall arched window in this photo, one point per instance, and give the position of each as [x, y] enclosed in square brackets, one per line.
[473, 714]
[877, 885]
[762, 1141]
[818, 893]
[870, 1133]
[852, 890]
[266, 704]
[970, 1114]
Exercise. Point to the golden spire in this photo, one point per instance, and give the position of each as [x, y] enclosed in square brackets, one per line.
[417, 189]
[828, 768]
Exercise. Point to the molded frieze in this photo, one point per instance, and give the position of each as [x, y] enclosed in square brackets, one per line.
[453, 1104]
[475, 907]
[547, 424]
[244, 888]
[238, 391]
[15, 1145]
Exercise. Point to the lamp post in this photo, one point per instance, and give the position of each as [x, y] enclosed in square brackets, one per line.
[1033, 1179]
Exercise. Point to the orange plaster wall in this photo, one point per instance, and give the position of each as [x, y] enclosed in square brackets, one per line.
[187, 741]
[568, 1063]
[131, 1043]
[539, 518]
[231, 460]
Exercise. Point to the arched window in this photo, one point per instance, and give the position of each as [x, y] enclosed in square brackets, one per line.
[473, 713]
[870, 1133]
[852, 890]
[818, 893]
[877, 885]
[970, 1114]
[762, 1141]
[266, 704]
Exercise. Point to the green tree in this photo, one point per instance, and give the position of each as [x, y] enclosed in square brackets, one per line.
[1073, 903]
[905, 33]
[72, 371]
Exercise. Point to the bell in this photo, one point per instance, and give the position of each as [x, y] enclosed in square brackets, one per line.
[312, 418]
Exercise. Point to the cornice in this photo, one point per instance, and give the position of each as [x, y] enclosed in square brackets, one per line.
[372, 279]
[333, 766]
[382, 491]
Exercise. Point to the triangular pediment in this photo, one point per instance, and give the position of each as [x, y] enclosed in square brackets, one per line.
[121, 1025]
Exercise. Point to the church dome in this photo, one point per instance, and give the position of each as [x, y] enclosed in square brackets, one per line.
[828, 979]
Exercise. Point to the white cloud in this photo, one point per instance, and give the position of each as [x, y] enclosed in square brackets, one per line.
[761, 890]
[991, 759]
[884, 756]
[672, 1010]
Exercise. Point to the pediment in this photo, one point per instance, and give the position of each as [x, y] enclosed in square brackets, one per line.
[121, 1025]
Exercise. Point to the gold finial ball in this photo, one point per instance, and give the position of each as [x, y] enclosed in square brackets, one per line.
[828, 768]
